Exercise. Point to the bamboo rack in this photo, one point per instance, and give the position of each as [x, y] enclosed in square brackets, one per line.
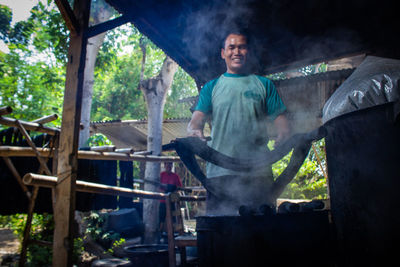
[14, 151]
[30, 126]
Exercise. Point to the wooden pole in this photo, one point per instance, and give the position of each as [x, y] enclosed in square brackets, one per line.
[88, 187]
[28, 225]
[67, 163]
[170, 232]
[46, 119]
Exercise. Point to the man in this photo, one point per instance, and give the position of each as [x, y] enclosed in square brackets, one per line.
[239, 105]
[170, 181]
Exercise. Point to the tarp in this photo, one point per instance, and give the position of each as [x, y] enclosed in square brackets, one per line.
[374, 82]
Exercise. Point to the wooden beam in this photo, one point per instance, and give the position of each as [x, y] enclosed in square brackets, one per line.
[68, 16]
[67, 163]
[108, 25]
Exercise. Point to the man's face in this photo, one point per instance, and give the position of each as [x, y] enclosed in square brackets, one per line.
[168, 167]
[235, 53]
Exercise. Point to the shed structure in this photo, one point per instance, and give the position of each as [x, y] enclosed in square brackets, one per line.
[190, 32]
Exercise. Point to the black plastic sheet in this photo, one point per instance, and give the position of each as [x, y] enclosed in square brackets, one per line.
[374, 82]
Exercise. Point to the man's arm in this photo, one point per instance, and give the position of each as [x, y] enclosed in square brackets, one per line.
[196, 125]
[282, 128]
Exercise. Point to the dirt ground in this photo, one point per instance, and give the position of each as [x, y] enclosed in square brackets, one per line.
[9, 243]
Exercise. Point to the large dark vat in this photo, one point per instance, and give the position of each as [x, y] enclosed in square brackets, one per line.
[153, 255]
[297, 239]
[364, 178]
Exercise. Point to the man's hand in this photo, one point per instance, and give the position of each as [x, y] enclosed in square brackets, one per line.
[196, 125]
[282, 127]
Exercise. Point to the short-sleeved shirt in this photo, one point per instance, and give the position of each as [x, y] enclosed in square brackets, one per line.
[239, 106]
[170, 178]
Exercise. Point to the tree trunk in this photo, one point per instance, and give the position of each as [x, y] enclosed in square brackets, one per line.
[155, 92]
[92, 49]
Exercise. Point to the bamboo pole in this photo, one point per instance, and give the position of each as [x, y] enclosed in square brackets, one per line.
[88, 187]
[125, 150]
[42, 162]
[102, 148]
[31, 126]
[5, 110]
[14, 151]
[145, 153]
[28, 226]
[96, 188]
[46, 119]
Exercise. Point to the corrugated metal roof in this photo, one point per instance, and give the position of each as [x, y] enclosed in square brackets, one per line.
[133, 133]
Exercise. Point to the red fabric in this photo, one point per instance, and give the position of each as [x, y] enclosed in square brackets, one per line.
[170, 178]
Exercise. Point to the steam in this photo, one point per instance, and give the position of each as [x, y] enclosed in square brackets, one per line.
[207, 25]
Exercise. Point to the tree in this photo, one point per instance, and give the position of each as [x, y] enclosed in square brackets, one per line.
[100, 13]
[33, 85]
[155, 91]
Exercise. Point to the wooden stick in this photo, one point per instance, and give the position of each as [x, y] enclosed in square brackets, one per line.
[27, 228]
[31, 126]
[319, 161]
[42, 162]
[102, 148]
[14, 151]
[5, 110]
[82, 186]
[46, 119]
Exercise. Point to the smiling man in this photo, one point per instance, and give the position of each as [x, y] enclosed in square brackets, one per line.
[239, 104]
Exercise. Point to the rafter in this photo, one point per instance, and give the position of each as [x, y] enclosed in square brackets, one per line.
[68, 15]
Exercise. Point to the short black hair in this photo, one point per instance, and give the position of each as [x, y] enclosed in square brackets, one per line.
[242, 32]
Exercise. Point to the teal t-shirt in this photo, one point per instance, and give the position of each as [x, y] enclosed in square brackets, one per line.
[240, 106]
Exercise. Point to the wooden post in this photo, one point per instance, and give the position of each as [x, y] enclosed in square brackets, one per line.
[170, 231]
[68, 147]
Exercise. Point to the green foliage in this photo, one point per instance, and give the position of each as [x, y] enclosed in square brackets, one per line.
[309, 183]
[33, 86]
[118, 66]
[183, 86]
[95, 229]
[5, 20]
[98, 140]
[42, 229]
[115, 244]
